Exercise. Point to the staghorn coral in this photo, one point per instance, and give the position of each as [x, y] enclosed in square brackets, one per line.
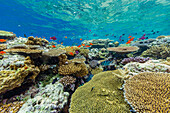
[50, 99]
[123, 50]
[12, 107]
[148, 92]
[134, 68]
[102, 94]
[73, 68]
[157, 52]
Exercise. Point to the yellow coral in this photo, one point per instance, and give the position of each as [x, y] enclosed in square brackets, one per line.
[12, 107]
[69, 49]
[36, 41]
[148, 92]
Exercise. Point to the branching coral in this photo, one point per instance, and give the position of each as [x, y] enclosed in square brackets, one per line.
[68, 81]
[162, 51]
[148, 92]
[11, 107]
[134, 59]
[73, 68]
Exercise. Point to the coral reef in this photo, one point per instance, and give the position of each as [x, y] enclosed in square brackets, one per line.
[93, 63]
[69, 49]
[134, 67]
[36, 41]
[7, 35]
[123, 50]
[134, 59]
[3, 47]
[99, 43]
[103, 91]
[51, 98]
[84, 52]
[12, 107]
[73, 68]
[157, 52]
[68, 82]
[96, 70]
[14, 73]
[148, 92]
[54, 52]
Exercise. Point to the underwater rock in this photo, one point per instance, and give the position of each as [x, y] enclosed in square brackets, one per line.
[50, 98]
[148, 92]
[102, 94]
[134, 68]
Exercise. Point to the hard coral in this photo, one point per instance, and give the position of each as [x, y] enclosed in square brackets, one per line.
[7, 35]
[69, 49]
[162, 51]
[12, 107]
[123, 50]
[148, 92]
[73, 68]
[102, 94]
[134, 59]
[36, 41]
[67, 80]
[3, 47]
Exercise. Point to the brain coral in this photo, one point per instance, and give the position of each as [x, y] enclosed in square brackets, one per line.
[102, 94]
[148, 92]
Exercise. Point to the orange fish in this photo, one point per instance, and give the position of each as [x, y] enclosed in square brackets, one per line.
[87, 46]
[72, 47]
[128, 42]
[79, 46]
[131, 39]
[80, 38]
[72, 54]
[83, 44]
[65, 36]
[2, 40]
[2, 52]
[91, 44]
[61, 42]
[53, 46]
[43, 37]
[26, 67]
[129, 36]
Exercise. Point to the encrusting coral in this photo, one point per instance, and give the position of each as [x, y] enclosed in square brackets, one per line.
[102, 94]
[148, 92]
[10, 79]
[162, 51]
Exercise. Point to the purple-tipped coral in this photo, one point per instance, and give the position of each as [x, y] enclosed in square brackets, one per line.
[135, 59]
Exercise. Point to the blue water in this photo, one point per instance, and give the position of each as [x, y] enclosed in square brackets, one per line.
[87, 19]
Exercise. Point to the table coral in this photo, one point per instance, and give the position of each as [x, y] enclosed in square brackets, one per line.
[123, 50]
[7, 35]
[148, 92]
[102, 94]
[36, 41]
[50, 99]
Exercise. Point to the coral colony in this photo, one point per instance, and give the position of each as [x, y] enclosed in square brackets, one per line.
[98, 76]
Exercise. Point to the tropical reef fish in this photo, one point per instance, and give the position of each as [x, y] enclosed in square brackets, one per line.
[90, 43]
[2, 40]
[71, 53]
[2, 52]
[53, 46]
[87, 46]
[143, 37]
[53, 38]
[79, 46]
